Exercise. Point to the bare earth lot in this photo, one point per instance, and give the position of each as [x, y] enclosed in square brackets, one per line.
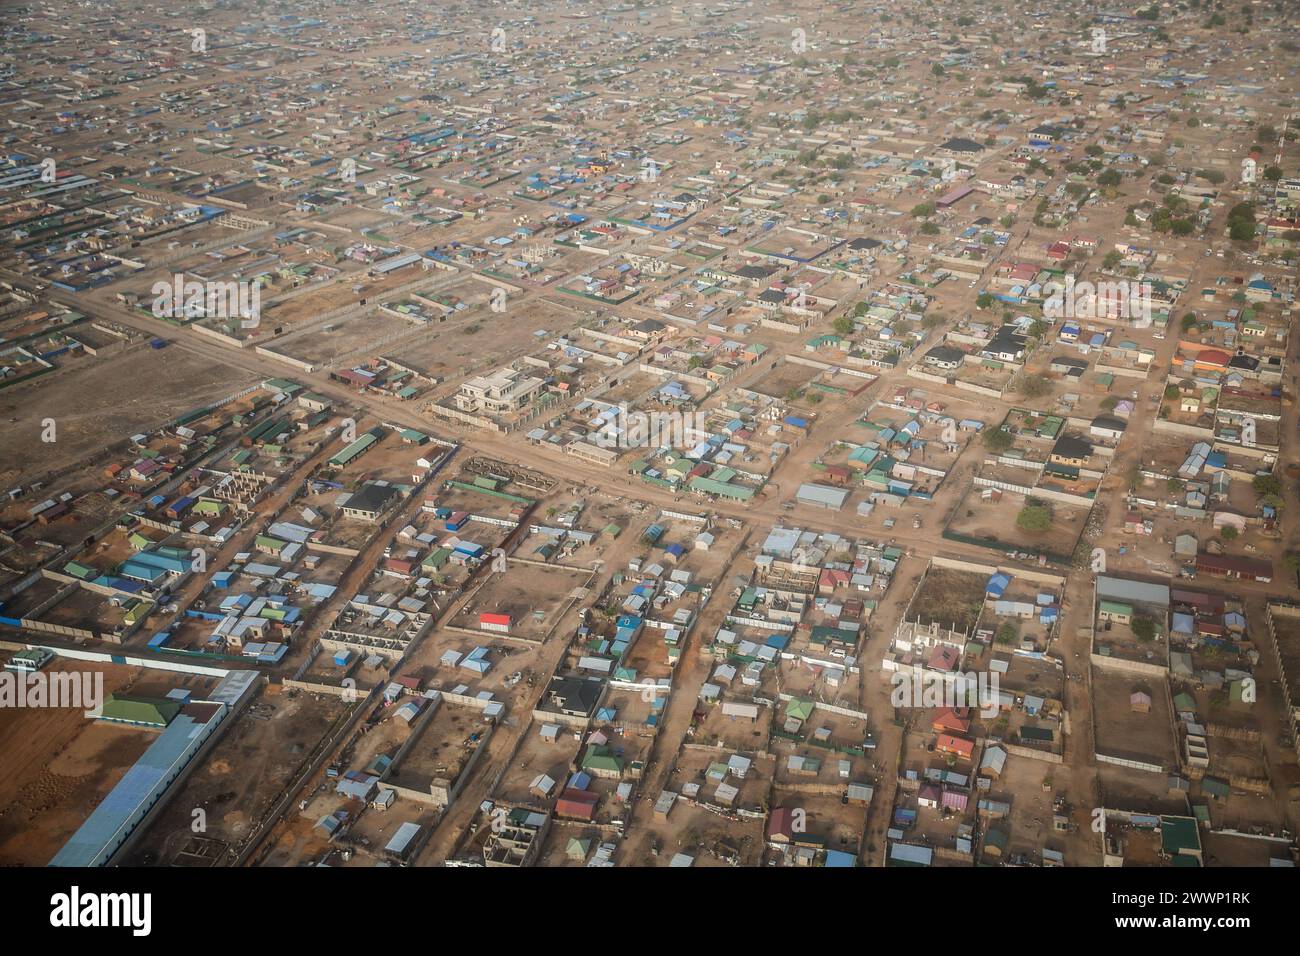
[241, 778]
[58, 766]
[104, 402]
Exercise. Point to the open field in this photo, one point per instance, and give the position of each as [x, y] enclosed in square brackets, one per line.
[995, 521]
[948, 597]
[106, 399]
[59, 764]
[1122, 731]
[241, 778]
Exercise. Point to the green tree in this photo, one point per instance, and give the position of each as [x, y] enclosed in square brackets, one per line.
[1035, 386]
[1034, 517]
[997, 439]
[1241, 222]
[1265, 485]
[1144, 629]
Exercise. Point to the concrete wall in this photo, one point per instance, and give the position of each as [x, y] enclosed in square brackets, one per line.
[1039, 577]
[1130, 764]
[1032, 753]
[1128, 667]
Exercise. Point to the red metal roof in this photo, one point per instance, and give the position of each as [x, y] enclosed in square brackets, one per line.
[957, 745]
[578, 804]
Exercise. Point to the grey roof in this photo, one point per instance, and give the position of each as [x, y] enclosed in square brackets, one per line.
[907, 853]
[402, 838]
[1122, 589]
[995, 758]
[860, 791]
[822, 495]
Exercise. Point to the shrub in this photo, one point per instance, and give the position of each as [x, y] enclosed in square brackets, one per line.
[1034, 518]
[997, 439]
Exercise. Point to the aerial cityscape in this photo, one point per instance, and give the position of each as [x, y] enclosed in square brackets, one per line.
[649, 434]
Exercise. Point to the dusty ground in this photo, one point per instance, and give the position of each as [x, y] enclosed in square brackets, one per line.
[242, 776]
[95, 403]
[1123, 732]
[58, 766]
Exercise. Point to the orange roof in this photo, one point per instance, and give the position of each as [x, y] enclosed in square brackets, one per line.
[1214, 357]
[949, 719]
[954, 745]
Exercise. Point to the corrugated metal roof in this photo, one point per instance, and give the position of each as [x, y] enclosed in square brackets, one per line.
[822, 495]
[1126, 590]
[114, 819]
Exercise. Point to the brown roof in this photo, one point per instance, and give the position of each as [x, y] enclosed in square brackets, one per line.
[1231, 564]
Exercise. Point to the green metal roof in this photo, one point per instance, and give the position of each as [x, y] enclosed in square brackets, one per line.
[1178, 834]
[601, 758]
[139, 710]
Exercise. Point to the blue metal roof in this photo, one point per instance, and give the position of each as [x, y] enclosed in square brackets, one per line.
[113, 820]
